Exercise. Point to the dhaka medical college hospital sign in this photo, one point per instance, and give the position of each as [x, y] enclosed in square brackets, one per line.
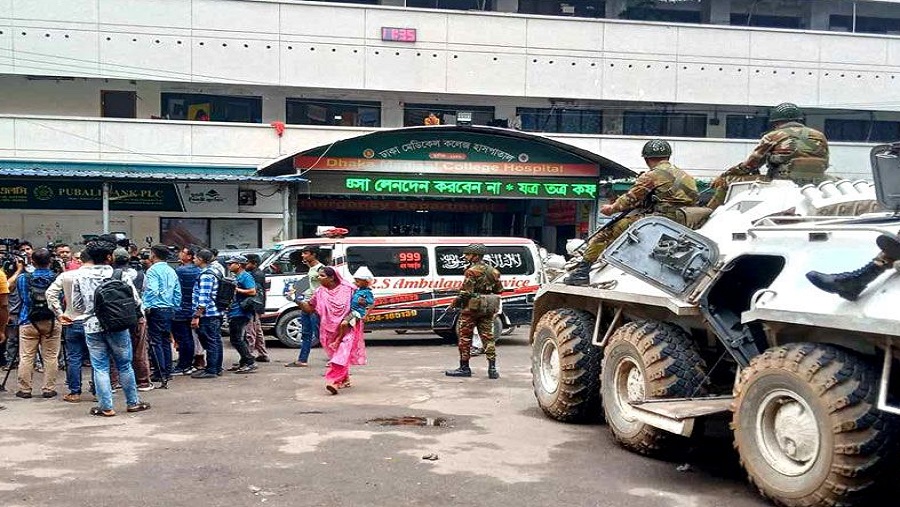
[455, 162]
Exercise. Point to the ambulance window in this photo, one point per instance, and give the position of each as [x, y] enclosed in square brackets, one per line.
[288, 262]
[509, 260]
[389, 260]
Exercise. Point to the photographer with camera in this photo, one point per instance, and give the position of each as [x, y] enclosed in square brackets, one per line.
[20, 267]
[38, 329]
[64, 253]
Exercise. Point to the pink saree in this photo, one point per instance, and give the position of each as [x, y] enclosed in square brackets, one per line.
[333, 305]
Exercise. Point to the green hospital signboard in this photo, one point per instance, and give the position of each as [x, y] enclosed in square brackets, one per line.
[65, 195]
[454, 163]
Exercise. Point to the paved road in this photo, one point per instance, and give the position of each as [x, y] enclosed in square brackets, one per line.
[278, 438]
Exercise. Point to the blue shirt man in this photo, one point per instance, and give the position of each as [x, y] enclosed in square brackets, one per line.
[161, 286]
[162, 296]
[43, 276]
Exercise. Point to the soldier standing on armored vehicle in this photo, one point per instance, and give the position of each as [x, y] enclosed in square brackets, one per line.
[850, 285]
[660, 191]
[790, 151]
[479, 301]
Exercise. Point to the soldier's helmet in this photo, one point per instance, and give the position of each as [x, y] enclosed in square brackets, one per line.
[784, 112]
[475, 249]
[656, 148]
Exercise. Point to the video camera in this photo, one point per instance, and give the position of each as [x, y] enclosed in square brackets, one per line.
[9, 255]
[117, 238]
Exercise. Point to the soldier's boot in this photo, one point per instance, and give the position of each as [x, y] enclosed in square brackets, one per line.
[847, 285]
[462, 371]
[493, 374]
[580, 275]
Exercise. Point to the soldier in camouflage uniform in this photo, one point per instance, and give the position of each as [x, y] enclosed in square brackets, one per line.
[479, 301]
[790, 151]
[660, 191]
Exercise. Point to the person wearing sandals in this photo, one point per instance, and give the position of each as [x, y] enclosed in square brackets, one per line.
[105, 345]
[309, 321]
[343, 344]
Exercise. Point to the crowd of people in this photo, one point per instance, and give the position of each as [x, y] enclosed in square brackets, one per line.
[123, 314]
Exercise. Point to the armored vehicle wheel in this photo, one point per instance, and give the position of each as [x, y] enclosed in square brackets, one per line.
[806, 427]
[565, 366]
[647, 359]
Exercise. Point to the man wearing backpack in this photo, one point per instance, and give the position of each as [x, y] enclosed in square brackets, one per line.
[108, 302]
[38, 329]
[206, 318]
[161, 297]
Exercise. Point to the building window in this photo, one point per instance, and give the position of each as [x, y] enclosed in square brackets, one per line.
[578, 8]
[647, 11]
[655, 123]
[201, 107]
[766, 21]
[862, 130]
[889, 26]
[415, 114]
[572, 121]
[462, 5]
[742, 126]
[333, 112]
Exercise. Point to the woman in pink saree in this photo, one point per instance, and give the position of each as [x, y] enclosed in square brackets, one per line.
[342, 343]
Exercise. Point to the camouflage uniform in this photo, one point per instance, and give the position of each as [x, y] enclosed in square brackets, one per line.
[661, 191]
[792, 151]
[480, 278]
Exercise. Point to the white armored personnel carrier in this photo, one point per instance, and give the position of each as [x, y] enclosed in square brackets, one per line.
[680, 325]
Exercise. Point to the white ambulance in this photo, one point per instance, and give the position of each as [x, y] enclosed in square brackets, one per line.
[416, 278]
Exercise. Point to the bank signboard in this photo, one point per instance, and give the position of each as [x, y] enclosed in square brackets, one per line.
[123, 196]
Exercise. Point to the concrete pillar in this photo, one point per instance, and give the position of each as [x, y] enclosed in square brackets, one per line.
[148, 99]
[391, 114]
[507, 5]
[614, 8]
[394, 3]
[274, 105]
[505, 112]
[612, 122]
[819, 16]
[718, 12]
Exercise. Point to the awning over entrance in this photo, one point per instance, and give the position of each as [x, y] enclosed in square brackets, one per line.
[451, 162]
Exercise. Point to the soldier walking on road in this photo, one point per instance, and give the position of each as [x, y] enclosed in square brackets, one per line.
[660, 191]
[479, 302]
[790, 151]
